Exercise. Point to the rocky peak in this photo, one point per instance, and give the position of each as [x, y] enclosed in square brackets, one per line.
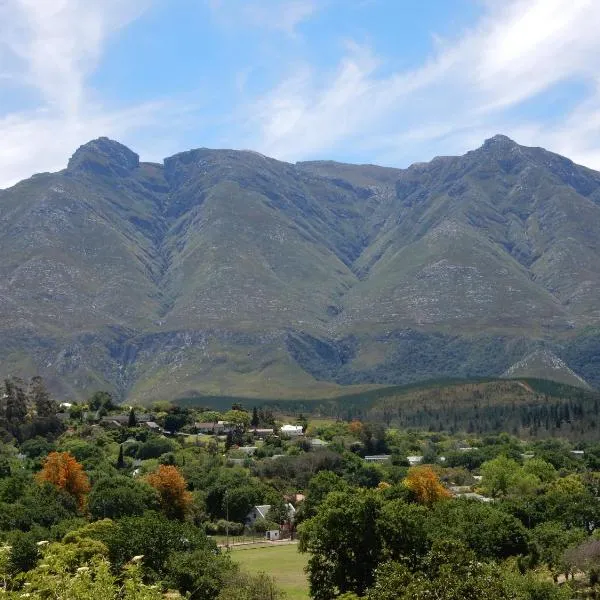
[104, 156]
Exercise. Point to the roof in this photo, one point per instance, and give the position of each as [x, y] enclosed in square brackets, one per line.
[377, 457]
[263, 510]
[292, 428]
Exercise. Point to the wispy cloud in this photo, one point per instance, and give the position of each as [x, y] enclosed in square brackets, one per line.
[279, 15]
[469, 89]
[47, 52]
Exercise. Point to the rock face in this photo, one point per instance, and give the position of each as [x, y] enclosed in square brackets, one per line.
[229, 273]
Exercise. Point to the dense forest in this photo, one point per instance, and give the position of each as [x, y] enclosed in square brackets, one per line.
[104, 501]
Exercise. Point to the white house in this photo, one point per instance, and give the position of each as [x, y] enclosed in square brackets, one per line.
[292, 430]
[261, 511]
[378, 458]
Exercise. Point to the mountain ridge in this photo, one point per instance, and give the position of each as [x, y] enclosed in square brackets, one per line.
[228, 272]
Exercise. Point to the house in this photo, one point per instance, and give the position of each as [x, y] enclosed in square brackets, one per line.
[378, 458]
[414, 460]
[292, 430]
[578, 453]
[261, 512]
[317, 443]
[262, 433]
[210, 428]
[153, 426]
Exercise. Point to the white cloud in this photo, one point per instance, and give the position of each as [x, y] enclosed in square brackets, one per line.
[279, 15]
[48, 49]
[467, 91]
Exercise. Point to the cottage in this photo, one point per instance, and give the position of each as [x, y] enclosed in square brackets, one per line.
[210, 428]
[317, 443]
[261, 512]
[378, 458]
[292, 430]
[262, 433]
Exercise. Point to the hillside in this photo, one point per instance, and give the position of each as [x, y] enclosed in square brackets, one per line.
[228, 273]
[540, 364]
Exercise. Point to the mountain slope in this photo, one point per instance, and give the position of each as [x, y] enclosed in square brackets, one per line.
[542, 364]
[229, 273]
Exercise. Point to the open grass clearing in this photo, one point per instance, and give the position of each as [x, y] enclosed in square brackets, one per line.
[281, 561]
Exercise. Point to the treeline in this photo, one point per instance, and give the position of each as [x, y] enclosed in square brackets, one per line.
[515, 407]
[27, 410]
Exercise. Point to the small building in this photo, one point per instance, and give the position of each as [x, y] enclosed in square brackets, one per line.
[152, 426]
[317, 443]
[273, 535]
[378, 458]
[261, 511]
[263, 432]
[210, 428]
[414, 460]
[292, 430]
[578, 453]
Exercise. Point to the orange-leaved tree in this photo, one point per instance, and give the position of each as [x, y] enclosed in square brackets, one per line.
[62, 470]
[425, 485]
[175, 500]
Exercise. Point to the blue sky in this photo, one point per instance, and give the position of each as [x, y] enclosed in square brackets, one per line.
[380, 81]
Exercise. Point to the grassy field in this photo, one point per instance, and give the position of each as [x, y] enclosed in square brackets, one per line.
[283, 562]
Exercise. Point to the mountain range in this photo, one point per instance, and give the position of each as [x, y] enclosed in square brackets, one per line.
[228, 273]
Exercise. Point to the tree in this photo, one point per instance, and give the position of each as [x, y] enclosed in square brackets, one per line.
[199, 574]
[174, 498]
[487, 530]
[541, 469]
[118, 496]
[237, 417]
[499, 475]
[62, 470]
[155, 537]
[344, 542]
[586, 557]
[243, 586]
[101, 400]
[131, 420]
[403, 530]
[425, 485]
[551, 541]
[15, 405]
[120, 459]
[255, 420]
[44, 406]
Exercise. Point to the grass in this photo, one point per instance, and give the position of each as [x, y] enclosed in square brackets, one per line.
[283, 562]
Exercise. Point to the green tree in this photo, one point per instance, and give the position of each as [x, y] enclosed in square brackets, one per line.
[243, 586]
[404, 532]
[118, 496]
[499, 475]
[344, 542]
[551, 540]
[132, 419]
[121, 458]
[44, 406]
[100, 400]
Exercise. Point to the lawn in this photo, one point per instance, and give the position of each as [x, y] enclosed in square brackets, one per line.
[283, 562]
